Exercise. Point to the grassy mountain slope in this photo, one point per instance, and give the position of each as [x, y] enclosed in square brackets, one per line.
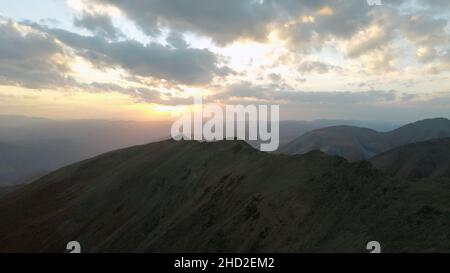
[223, 196]
[418, 160]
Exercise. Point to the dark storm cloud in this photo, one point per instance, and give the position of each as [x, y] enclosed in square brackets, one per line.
[99, 24]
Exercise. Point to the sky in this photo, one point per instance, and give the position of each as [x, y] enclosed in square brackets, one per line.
[145, 59]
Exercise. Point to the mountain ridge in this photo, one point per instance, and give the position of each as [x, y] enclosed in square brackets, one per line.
[223, 196]
[355, 143]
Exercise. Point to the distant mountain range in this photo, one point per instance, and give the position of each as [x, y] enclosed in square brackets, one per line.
[228, 197]
[33, 146]
[20, 163]
[356, 143]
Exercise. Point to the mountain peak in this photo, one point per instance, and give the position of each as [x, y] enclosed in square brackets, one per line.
[429, 122]
[355, 143]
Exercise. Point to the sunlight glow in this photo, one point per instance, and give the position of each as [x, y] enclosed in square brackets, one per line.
[85, 72]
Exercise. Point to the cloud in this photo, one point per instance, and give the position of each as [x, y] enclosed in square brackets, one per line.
[443, 64]
[99, 24]
[35, 56]
[224, 21]
[34, 59]
[436, 5]
[316, 67]
[424, 29]
[380, 61]
[307, 37]
[395, 30]
[371, 105]
[246, 91]
[139, 93]
[30, 58]
[313, 23]
[391, 24]
[369, 39]
[176, 40]
[426, 54]
[189, 66]
[231, 20]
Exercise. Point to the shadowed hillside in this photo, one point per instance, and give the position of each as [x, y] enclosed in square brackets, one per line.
[224, 196]
[8, 189]
[352, 143]
[418, 160]
[356, 143]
